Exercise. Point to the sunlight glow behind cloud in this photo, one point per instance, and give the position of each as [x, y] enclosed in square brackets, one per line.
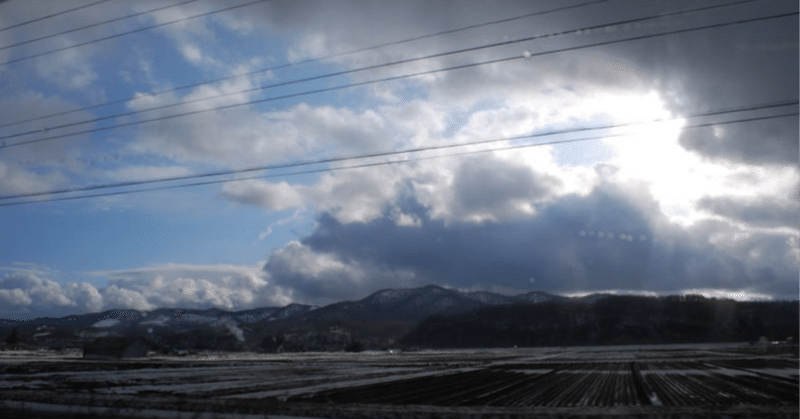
[655, 207]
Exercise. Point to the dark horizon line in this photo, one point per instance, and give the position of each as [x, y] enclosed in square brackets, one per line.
[641, 294]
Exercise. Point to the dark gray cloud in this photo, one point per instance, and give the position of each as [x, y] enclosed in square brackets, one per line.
[745, 64]
[762, 142]
[749, 64]
[758, 211]
[490, 186]
[616, 236]
[612, 238]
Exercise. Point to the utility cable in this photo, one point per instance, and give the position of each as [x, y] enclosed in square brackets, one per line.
[96, 24]
[397, 152]
[374, 164]
[146, 28]
[392, 78]
[38, 19]
[310, 60]
[372, 67]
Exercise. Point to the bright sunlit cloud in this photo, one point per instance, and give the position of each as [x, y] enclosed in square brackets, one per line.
[654, 206]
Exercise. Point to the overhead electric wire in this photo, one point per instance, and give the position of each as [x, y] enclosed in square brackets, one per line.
[310, 60]
[117, 19]
[146, 28]
[371, 67]
[391, 78]
[374, 164]
[414, 150]
[38, 19]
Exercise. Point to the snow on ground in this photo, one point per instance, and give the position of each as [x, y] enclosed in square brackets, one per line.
[582, 376]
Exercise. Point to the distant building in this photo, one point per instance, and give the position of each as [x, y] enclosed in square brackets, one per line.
[116, 347]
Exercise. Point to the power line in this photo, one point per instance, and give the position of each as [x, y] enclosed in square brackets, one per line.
[38, 19]
[326, 57]
[96, 24]
[414, 150]
[376, 66]
[340, 87]
[374, 164]
[146, 28]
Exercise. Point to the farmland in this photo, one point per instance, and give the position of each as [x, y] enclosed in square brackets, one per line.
[722, 380]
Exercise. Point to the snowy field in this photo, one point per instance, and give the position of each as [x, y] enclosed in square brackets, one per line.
[624, 381]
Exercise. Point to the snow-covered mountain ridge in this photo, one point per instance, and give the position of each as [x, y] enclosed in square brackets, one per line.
[405, 304]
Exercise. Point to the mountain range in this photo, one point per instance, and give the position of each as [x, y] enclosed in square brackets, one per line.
[408, 304]
[429, 316]
[379, 320]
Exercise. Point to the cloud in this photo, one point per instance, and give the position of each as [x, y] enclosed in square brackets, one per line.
[70, 69]
[270, 196]
[33, 290]
[491, 188]
[25, 291]
[740, 64]
[182, 13]
[141, 172]
[613, 238]
[735, 70]
[488, 186]
[229, 287]
[298, 215]
[763, 211]
[244, 136]
[765, 142]
[21, 104]
[322, 277]
[357, 195]
[192, 53]
[616, 84]
[668, 208]
[15, 179]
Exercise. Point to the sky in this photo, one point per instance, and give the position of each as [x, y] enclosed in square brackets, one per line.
[569, 147]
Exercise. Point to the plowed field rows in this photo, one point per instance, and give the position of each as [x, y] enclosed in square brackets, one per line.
[662, 382]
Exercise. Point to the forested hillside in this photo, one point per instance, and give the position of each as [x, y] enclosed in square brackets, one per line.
[610, 320]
